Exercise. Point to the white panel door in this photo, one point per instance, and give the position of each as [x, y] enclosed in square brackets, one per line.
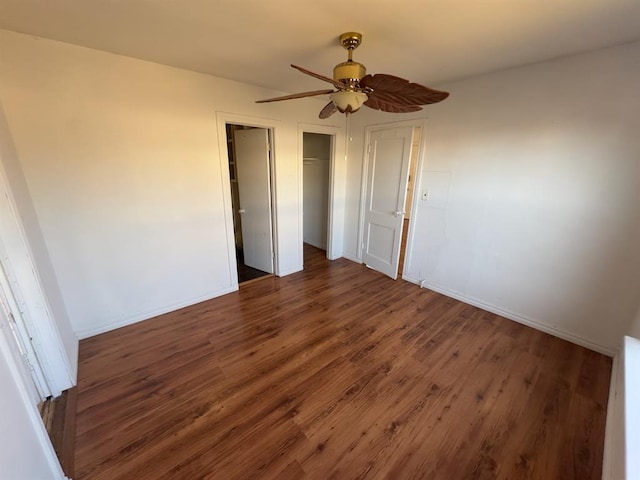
[252, 163]
[386, 187]
[19, 339]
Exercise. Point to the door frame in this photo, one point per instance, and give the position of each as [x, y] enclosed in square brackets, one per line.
[273, 126]
[368, 130]
[23, 349]
[250, 219]
[35, 421]
[333, 229]
[27, 288]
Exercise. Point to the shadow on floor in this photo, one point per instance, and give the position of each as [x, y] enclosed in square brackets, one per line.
[245, 272]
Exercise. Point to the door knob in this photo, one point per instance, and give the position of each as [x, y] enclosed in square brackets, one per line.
[398, 213]
[241, 210]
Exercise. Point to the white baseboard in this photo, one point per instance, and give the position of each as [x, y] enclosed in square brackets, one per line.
[411, 279]
[142, 316]
[555, 331]
[290, 271]
[319, 245]
[351, 257]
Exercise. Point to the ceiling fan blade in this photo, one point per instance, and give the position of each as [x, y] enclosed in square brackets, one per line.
[333, 82]
[379, 104]
[328, 110]
[296, 95]
[392, 89]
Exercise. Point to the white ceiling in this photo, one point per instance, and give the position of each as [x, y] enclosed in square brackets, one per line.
[254, 41]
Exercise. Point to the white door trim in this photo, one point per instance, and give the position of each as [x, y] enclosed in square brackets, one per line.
[252, 157]
[35, 422]
[369, 129]
[222, 119]
[334, 227]
[26, 286]
[25, 354]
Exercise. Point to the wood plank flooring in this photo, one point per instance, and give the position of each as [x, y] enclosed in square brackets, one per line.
[403, 246]
[337, 372]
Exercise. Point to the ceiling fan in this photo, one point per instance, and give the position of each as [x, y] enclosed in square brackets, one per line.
[354, 88]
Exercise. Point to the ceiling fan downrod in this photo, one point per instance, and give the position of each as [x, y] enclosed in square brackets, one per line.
[350, 72]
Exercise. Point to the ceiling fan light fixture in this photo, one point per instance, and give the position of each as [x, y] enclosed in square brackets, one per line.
[354, 87]
[348, 101]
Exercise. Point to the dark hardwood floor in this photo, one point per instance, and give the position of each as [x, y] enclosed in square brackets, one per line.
[338, 372]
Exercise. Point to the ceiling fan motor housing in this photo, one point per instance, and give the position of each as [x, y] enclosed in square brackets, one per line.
[349, 72]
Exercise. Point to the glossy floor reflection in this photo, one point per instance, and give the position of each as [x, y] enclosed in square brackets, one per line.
[337, 372]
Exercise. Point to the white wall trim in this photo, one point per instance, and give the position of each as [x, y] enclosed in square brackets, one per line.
[614, 404]
[34, 416]
[417, 188]
[351, 257]
[411, 279]
[556, 332]
[317, 245]
[291, 270]
[149, 314]
[631, 414]
[26, 285]
[222, 119]
[333, 220]
[368, 130]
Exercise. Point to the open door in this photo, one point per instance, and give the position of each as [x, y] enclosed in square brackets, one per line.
[252, 163]
[20, 342]
[386, 183]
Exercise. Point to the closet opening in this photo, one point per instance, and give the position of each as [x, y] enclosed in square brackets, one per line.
[316, 164]
[251, 172]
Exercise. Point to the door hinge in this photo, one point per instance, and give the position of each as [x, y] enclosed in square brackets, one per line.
[369, 148]
[27, 362]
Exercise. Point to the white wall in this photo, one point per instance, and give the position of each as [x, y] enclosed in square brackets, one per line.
[317, 158]
[24, 449]
[634, 327]
[122, 161]
[537, 175]
[24, 224]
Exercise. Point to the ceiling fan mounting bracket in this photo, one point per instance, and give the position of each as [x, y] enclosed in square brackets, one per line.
[350, 40]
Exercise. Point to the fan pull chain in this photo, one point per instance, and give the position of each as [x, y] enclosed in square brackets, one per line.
[347, 139]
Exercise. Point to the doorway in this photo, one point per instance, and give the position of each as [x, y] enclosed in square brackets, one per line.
[387, 195]
[413, 168]
[250, 173]
[316, 164]
[20, 341]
